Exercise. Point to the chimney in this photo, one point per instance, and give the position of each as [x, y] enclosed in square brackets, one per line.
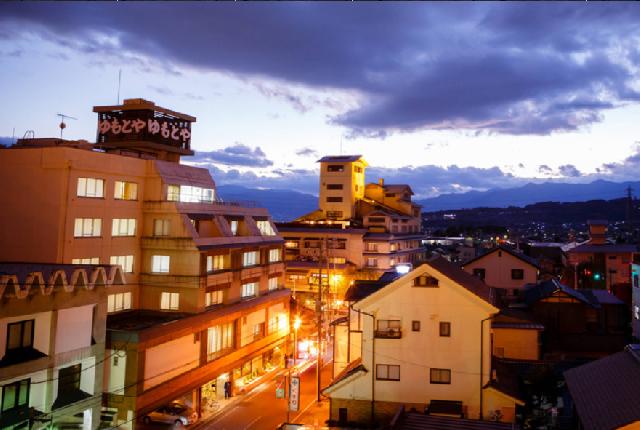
[597, 231]
[381, 182]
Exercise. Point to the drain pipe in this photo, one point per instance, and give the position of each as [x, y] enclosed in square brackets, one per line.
[373, 361]
[481, 359]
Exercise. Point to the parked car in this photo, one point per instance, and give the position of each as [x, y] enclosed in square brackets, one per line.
[174, 413]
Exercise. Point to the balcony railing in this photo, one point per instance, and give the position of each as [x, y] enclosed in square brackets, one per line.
[392, 333]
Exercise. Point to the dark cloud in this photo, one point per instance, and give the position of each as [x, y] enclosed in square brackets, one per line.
[569, 170]
[236, 155]
[545, 170]
[513, 68]
[307, 152]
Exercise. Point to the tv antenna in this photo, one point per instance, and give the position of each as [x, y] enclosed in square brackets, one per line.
[62, 124]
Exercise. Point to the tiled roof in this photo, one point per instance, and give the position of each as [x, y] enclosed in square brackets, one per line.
[352, 368]
[589, 248]
[595, 298]
[417, 421]
[510, 318]
[396, 188]
[470, 282]
[531, 261]
[606, 392]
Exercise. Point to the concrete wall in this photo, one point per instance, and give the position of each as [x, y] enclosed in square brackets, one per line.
[170, 359]
[498, 266]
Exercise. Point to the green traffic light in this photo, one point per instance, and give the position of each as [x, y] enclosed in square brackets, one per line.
[596, 276]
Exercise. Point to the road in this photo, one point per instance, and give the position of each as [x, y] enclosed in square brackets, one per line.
[260, 410]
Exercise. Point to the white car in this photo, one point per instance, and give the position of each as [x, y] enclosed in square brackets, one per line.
[175, 413]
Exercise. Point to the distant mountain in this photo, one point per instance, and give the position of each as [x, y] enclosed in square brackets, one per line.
[529, 194]
[283, 205]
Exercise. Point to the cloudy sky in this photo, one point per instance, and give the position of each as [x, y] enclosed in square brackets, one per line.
[446, 97]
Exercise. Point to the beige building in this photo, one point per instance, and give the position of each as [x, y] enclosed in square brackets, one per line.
[423, 341]
[52, 343]
[211, 272]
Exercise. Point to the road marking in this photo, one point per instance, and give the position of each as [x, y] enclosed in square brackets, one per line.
[252, 423]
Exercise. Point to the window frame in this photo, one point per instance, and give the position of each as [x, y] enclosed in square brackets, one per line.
[519, 272]
[125, 302]
[18, 387]
[387, 368]
[122, 192]
[209, 295]
[74, 376]
[439, 372]
[444, 329]
[334, 199]
[173, 301]
[80, 226]
[130, 226]
[249, 262]
[160, 266]
[245, 287]
[415, 325]
[85, 187]
[272, 283]
[125, 261]
[479, 272]
[22, 325]
[275, 255]
[161, 227]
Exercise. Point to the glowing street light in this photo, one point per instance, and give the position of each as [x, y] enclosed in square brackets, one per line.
[296, 325]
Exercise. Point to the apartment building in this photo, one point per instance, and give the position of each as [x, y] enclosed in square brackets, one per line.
[52, 343]
[203, 300]
[420, 341]
[358, 231]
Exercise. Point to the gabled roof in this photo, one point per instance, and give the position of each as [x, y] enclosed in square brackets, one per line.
[512, 318]
[397, 188]
[340, 159]
[470, 282]
[594, 298]
[589, 248]
[417, 421]
[525, 258]
[353, 368]
[605, 392]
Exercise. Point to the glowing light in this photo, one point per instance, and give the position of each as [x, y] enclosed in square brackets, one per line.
[336, 278]
[297, 323]
[283, 322]
[403, 269]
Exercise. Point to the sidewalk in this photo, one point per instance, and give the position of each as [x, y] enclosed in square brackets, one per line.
[315, 415]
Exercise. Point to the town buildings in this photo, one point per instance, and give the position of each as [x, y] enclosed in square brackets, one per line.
[203, 299]
[358, 231]
[635, 305]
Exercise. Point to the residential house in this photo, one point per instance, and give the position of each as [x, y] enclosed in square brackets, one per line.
[635, 302]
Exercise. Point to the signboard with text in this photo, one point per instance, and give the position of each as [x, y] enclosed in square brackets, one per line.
[294, 394]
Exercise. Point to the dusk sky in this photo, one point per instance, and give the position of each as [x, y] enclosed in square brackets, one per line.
[446, 97]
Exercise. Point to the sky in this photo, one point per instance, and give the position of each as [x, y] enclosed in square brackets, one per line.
[447, 97]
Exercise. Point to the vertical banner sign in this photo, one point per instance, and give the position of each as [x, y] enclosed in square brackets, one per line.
[294, 394]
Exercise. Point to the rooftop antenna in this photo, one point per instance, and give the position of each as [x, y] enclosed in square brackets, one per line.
[119, 82]
[340, 144]
[62, 124]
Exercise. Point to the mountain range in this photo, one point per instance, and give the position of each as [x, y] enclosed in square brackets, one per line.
[283, 205]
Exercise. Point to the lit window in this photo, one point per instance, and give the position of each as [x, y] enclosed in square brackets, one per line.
[215, 262]
[125, 190]
[190, 194]
[125, 261]
[161, 227]
[123, 227]
[440, 376]
[273, 284]
[372, 262]
[15, 395]
[425, 281]
[173, 193]
[265, 227]
[219, 338]
[387, 372]
[337, 260]
[274, 255]
[250, 258]
[118, 302]
[92, 260]
[249, 290]
[170, 301]
[213, 298]
[87, 227]
[233, 224]
[90, 187]
[160, 264]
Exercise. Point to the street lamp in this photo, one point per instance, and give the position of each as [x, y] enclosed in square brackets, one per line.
[296, 325]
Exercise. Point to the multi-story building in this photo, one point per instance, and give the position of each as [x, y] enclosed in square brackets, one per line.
[635, 302]
[358, 231]
[421, 341]
[203, 301]
[52, 343]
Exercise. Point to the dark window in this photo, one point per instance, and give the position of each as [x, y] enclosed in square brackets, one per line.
[335, 168]
[440, 376]
[479, 273]
[389, 195]
[357, 169]
[69, 379]
[612, 257]
[15, 395]
[334, 186]
[387, 372]
[425, 281]
[342, 415]
[517, 274]
[334, 214]
[20, 335]
[415, 325]
[377, 219]
[445, 329]
[334, 199]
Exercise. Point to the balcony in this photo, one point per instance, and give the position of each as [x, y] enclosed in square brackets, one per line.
[392, 333]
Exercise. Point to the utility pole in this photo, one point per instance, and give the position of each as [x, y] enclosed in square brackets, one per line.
[319, 312]
[629, 212]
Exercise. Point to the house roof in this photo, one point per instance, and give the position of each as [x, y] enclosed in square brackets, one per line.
[594, 298]
[339, 158]
[352, 368]
[418, 421]
[511, 318]
[525, 258]
[397, 188]
[469, 282]
[605, 392]
[589, 248]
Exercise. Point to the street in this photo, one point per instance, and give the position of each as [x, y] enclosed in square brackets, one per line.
[261, 410]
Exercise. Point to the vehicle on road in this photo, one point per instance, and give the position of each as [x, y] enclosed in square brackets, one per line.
[174, 413]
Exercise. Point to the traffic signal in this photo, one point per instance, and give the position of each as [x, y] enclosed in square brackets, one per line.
[597, 276]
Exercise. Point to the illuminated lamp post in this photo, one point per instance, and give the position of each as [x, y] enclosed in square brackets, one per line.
[296, 325]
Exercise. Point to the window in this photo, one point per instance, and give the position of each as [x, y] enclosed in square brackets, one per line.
[69, 379]
[273, 284]
[258, 330]
[90, 260]
[20, 335]
[123, 227]
[250, 258]
[15, 395]
[170, 301]
[334, 214]
[161, 227]
[357, 169]
[425, 281]
[372, 262]
[160, 264]
[517, 274]
[173, 193]
[125, 190]
[90, 187]
[334, 199]
[445, 329]
[126, 261]
[249, 290]
[233, 225]
[337, 260]
[387, 372]
[334, 186]
[388, 329]
[440, 376]
[274, 255]
[215, 262]
[265, 227]
[213, 298]
[335, 168]
[372, 247]
[118, 302]
[377, 219]
[415, 325]
[192, 194]
[480, 273]
[87, 227]
[219, 338]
